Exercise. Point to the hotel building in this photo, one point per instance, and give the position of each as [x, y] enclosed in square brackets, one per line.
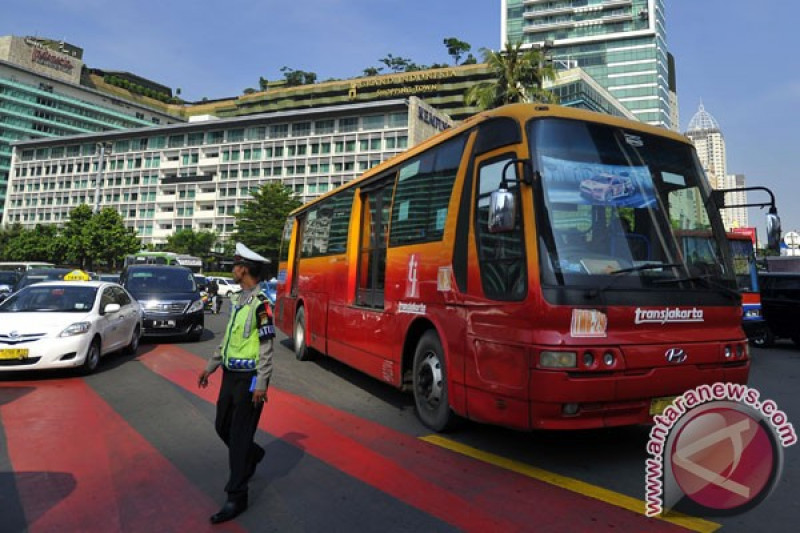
[44, 93]
[197, 175]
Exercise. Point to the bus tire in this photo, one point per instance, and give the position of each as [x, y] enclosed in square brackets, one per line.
[430, 383]
[301, 350]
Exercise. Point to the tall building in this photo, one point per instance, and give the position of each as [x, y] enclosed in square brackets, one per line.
[197, 175]
[43, 93]
[619, 43]
[705, 133]
[737, 216]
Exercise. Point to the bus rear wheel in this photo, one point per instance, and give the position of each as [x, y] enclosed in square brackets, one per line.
[430, 384]
[301, 350]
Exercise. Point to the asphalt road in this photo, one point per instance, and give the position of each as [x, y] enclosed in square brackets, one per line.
[133, 448]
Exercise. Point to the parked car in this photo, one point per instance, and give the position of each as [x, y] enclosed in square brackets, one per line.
[67, 324]
[8, 279]
[37, 275]
[780, 305]
[226, 285]
[170, 299]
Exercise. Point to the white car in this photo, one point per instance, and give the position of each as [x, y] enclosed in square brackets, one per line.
[67, 324]
[226, 285]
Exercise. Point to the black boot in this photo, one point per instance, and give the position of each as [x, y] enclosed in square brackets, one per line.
[230, 510]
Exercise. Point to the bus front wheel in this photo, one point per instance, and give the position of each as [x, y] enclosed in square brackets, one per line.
[430, 383]
[301, 349]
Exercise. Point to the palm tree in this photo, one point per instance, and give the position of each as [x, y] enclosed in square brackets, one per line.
[519, 75]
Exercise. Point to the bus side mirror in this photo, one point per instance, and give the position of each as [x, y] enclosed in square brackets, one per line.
[501, 211]
[773, 232]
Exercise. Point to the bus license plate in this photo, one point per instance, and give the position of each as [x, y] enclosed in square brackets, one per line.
[14, 353]
[657, 405]
[163, 323]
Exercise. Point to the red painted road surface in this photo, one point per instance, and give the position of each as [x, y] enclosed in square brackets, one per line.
[111, 479]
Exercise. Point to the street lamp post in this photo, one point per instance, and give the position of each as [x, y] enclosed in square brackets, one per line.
[546, 46]
[99, 179]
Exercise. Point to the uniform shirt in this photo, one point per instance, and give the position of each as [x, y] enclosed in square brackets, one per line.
[264, 363]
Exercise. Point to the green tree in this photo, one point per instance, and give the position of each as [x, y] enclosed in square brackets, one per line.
[298, 77]
[372, 71]
[519, 75]
[395, 64]
[262, 83]
[8, 234]
[260, 222]
[110, 240]
[456, 48]
[37, 244]
[76, 236]
[188, 241]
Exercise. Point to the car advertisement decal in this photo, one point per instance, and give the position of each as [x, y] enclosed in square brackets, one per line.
[588, 183]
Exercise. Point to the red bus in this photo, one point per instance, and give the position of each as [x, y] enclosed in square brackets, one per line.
[700, 244]
[471, 271]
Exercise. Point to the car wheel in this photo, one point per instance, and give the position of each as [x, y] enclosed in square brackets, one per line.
[430, 384]
[196, 334]
[131, 348]
[763, 339]
[92, 358]
[301, 350]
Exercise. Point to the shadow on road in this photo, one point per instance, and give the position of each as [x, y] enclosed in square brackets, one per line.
[47, 489]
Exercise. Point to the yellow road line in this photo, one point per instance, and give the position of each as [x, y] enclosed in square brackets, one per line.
[574, 485]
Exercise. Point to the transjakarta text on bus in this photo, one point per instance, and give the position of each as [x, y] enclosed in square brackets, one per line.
[498, 269]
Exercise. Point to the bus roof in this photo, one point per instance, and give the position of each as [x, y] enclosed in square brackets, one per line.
[521, 112]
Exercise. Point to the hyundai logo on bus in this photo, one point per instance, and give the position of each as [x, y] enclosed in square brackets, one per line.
[675, 355]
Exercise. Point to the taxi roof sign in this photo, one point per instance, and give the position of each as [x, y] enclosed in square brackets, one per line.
[77, 275]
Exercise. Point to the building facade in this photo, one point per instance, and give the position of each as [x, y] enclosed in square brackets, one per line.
[708, 140]
[42, 95]
[442, 88]
[197, 175]
[619, 43]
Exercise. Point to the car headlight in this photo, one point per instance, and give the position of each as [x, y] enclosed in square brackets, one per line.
[78, 328]
[196, 306]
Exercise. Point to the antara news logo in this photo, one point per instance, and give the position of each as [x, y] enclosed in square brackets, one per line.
[715, 450]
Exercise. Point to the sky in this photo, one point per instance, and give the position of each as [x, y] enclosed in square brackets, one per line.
[738, 59]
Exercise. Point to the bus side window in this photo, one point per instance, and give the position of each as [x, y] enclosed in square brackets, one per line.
[500, 255]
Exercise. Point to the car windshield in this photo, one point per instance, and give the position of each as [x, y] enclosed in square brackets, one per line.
[51, 298]
[161, 280]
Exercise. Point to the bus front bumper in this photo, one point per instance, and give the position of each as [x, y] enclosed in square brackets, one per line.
[567, 400]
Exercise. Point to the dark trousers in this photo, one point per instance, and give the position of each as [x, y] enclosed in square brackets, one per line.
[236, 424]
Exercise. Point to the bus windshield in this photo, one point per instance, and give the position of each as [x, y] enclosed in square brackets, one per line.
[613, 202]
[744, 262]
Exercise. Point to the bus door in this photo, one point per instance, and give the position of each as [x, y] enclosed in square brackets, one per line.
[367, 321]
[496, 374]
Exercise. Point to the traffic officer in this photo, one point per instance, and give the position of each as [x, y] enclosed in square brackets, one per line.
[246, 359]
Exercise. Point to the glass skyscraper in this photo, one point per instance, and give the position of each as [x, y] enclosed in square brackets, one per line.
[619, 43]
